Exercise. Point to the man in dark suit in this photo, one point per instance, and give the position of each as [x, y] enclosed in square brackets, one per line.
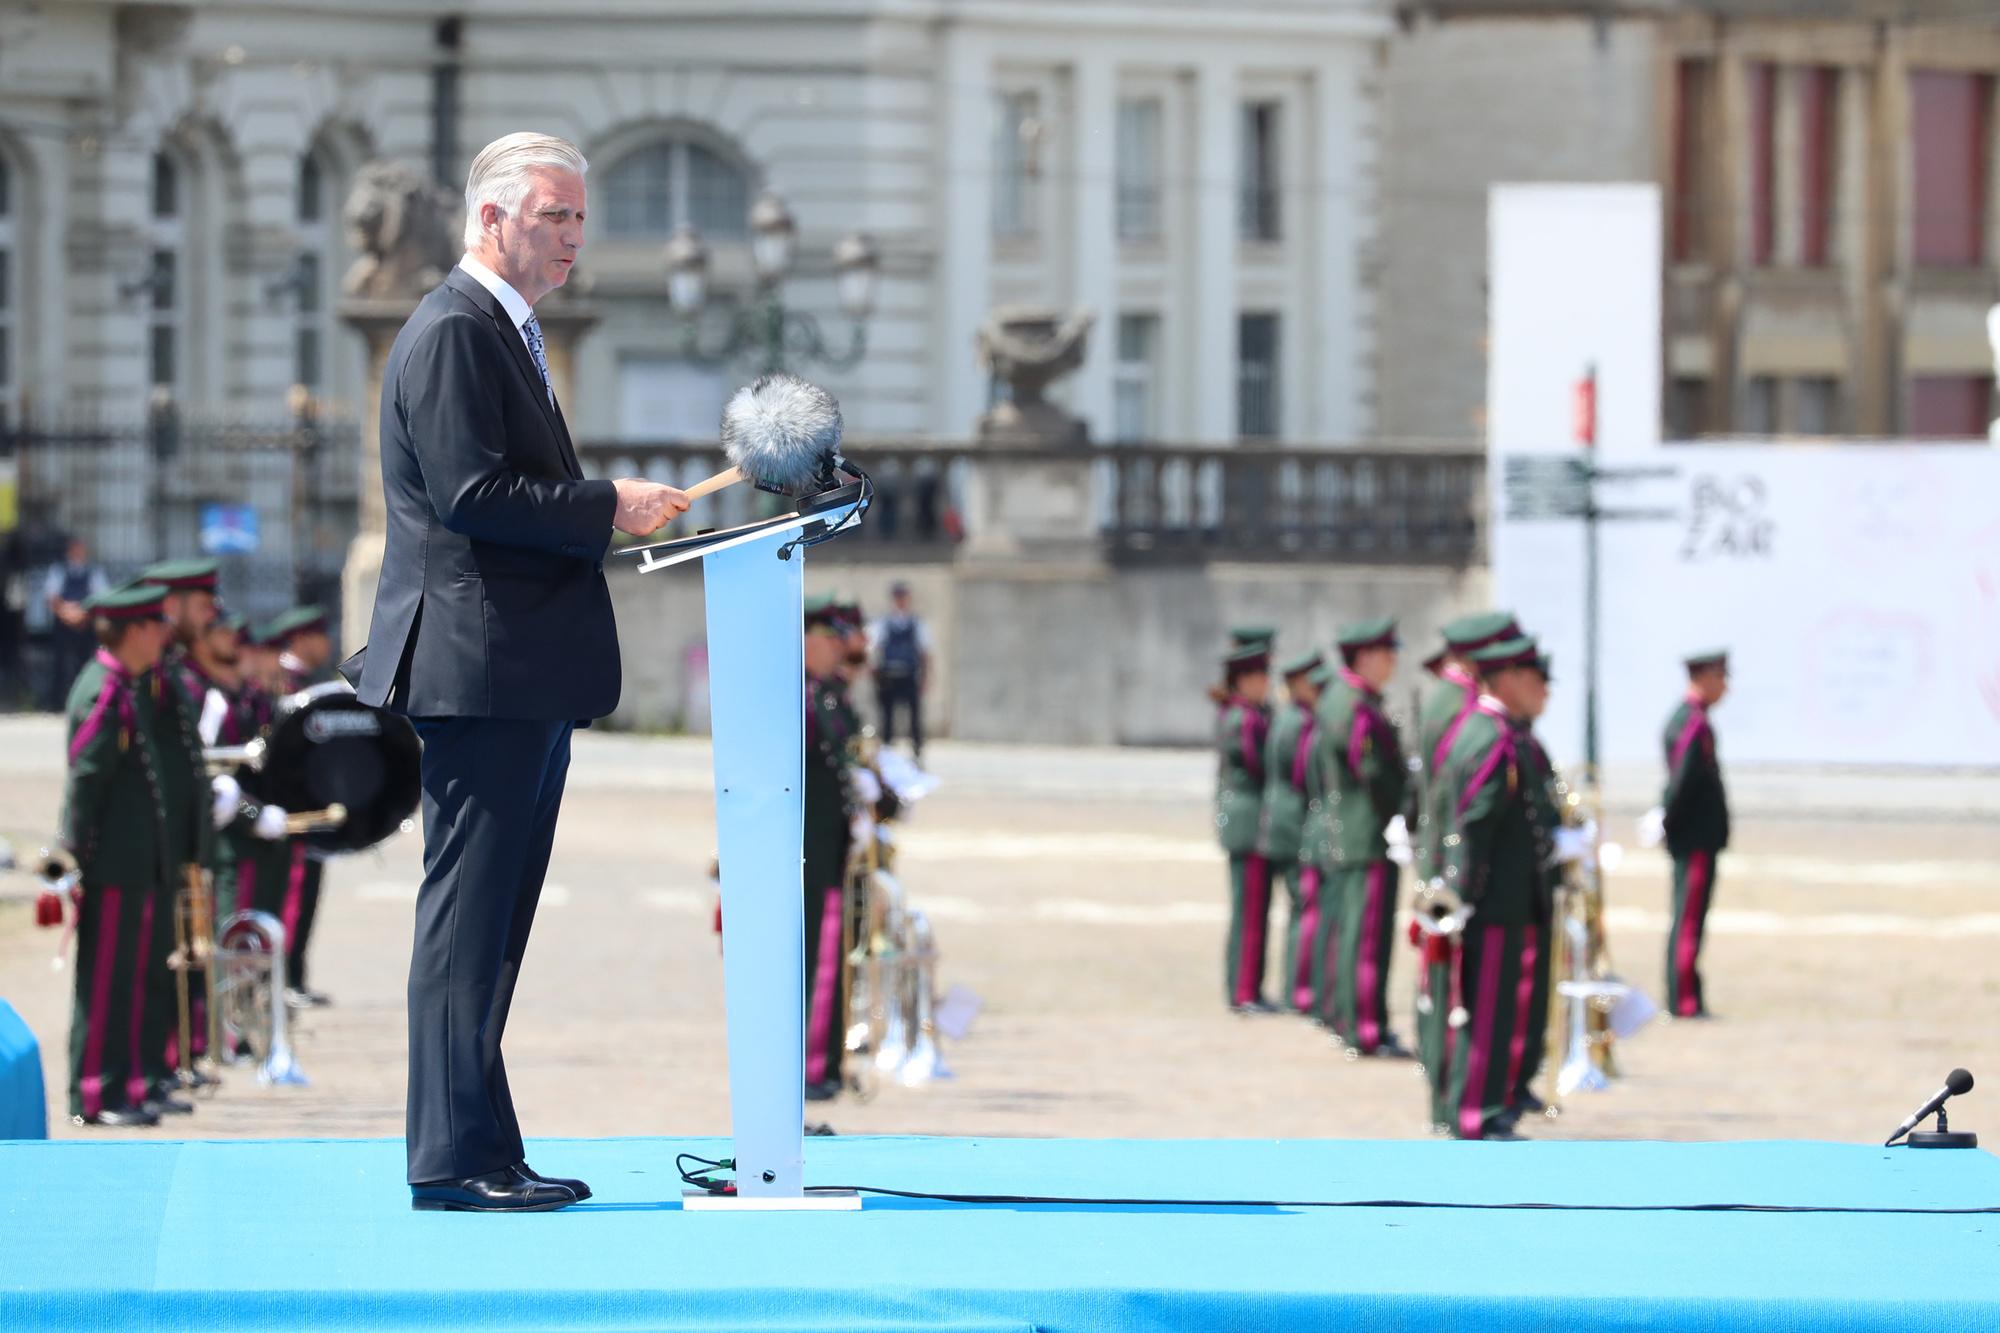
[493, 631]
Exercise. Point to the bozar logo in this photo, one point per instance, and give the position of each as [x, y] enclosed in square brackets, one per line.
[1728, 519]
[323, 727]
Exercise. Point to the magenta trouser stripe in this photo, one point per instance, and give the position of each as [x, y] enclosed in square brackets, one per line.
[135, 1076]
[1524, 994]
[90, 1079]
[825, 968]
[246, 884]
[1686, 1003]
[1367, 985]
[295, 892]
[1479, 1053]
[1302, 966]
[1256, 887]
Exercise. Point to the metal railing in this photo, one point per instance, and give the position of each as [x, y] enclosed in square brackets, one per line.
[1418, 505]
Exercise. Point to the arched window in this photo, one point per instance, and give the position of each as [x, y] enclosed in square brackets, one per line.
[651, 190]
[167, 298]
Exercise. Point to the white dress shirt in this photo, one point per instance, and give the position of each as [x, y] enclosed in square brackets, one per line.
[511, 301]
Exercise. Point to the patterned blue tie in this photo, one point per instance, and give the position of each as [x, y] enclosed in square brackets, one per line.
[533, 330]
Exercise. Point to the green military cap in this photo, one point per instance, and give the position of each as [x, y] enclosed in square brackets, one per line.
[137, 600]
[298, 620]
[183, 575]
[1301, 663]
[1521, 651]
[1245, 657]
[1380, 632]
[1322, 675]
[1243, 636]
[1475, 631]
[1707, 657]
[820, 612]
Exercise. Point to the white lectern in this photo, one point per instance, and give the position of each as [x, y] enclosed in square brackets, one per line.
[755, 588]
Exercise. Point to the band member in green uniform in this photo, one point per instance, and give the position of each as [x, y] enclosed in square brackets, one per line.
[190, 609]
[114, 824]
[1443, 711]
[305, 660]
[252, 851]
[1288, 756]
[828, 815]
[1696, 817]
[1496, 859]
[1241, 729]
[1241, 637]
[1365, 781]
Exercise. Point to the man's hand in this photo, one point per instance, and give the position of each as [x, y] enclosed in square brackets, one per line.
[644, 507]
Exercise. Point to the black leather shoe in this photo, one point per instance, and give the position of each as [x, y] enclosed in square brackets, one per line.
[576, 1187]
[163, 1102]
[823, 1091]
[1529, 1103]
[502, 1191]
[120, 1117]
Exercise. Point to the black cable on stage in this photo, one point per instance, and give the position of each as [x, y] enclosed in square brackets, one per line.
[1080, 1201]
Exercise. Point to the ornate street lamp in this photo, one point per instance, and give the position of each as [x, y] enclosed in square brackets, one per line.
[780, 337]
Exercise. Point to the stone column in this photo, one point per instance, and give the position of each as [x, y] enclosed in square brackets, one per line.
[1095, 117]
[1216, 171]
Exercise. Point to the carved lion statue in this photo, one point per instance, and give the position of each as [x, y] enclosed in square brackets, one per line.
[404, 229]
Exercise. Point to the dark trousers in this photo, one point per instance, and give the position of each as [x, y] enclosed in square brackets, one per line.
[492, 789]
[892, 693]
[301, 910]
[1694, 887]
[111, 1019]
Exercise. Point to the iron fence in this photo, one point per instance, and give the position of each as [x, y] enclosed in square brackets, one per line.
[277, 506]
[1155, 503]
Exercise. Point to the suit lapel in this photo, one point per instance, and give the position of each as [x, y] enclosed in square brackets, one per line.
[517, 347]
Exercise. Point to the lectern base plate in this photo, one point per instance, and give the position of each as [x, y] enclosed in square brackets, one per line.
[830, 1201]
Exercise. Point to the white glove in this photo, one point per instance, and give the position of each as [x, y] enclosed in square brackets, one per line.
[1653, 827]
[1573, 844]
[867, 787]
[228, 794]
[271, 823]
[1397, 835]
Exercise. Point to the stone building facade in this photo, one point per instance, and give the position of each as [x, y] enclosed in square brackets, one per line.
[1198, 174]
[1831, 207]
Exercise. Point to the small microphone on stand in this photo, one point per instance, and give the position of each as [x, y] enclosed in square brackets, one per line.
[1956, 1083]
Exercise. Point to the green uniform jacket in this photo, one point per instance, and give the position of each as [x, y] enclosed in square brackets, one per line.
[184, 789]
[1697, 807]
[1362, 770]
[828, 729]
[1288, 757]
[1240, 733]
[112, 819]
[1496, 853]
[1450, 699]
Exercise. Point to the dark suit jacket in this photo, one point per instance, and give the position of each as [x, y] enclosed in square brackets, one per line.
[492, 601]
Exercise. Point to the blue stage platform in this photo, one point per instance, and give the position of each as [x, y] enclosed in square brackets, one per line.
[319, 1234]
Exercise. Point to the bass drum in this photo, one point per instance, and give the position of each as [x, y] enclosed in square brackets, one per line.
[329, 748]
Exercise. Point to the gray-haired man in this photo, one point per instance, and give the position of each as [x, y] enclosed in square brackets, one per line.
[493, 631]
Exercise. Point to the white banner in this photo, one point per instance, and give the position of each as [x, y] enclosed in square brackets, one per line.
[1857, 588]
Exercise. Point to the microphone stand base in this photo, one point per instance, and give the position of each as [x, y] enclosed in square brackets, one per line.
[1943, 1138]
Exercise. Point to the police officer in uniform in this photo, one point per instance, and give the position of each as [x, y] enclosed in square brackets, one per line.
[1241, 730]
[828, 811]
[114, 822]
[1695, 815]
[305, 657]
[1365, 781]
[1288, 756]
[1497, 859]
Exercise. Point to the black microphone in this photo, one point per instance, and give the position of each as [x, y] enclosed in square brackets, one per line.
[1956, 1083]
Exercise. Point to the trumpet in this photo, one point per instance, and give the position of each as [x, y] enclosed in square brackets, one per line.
[220, 759]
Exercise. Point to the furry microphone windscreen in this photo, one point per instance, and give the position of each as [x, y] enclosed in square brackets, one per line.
[781, 431]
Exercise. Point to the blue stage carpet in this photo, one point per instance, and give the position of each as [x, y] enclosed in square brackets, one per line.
[309, 1233]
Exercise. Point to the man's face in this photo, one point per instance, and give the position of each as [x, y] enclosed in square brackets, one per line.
[537, 245]
[1304, 693]
[1522, 691]
[221, 646]
[313, 647]
[824, 653]
[1711, 684]
[190, 612]
[147, 641]
[1254, 686]
[1377, 666]
[901, 599]
[77, 553]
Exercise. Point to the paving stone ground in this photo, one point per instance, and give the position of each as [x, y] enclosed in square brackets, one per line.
[1078, 893]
